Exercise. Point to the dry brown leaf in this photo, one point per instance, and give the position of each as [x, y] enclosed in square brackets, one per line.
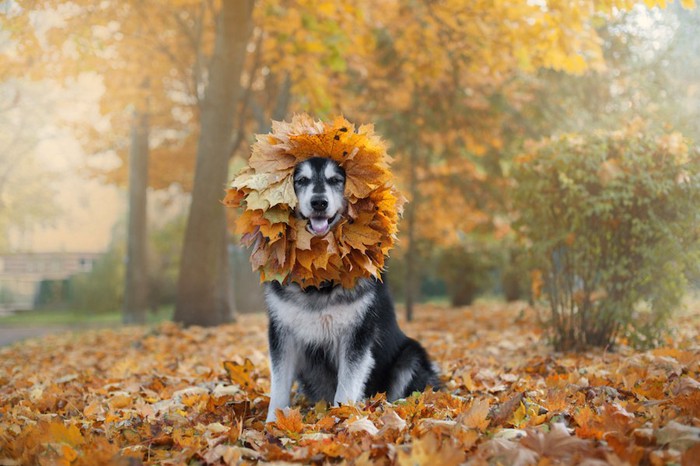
[678, 436]
[362, 425]
[391, 420]
[476, 416]
[558, 443]
[430, 451]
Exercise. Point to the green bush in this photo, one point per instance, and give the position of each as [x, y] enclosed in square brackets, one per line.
[102, 289]
[430, 285]
[612, 220]
[467, 272]
[6, 295]
[164, 261]
[515, 283]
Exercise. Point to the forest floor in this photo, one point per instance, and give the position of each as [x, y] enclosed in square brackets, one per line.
[166, 395]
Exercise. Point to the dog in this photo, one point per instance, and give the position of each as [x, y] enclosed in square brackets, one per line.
[341, 345]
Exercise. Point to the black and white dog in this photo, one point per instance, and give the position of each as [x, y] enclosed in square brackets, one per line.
[342, 345]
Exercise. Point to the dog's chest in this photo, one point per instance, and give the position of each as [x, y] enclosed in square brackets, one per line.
[316, 326]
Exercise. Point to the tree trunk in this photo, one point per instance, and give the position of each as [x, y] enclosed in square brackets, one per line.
[136, 283]
[204, 286]
[412, 252]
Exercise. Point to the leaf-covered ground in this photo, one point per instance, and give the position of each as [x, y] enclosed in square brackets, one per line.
[167, 395]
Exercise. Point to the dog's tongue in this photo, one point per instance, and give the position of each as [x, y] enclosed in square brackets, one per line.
[319, 225]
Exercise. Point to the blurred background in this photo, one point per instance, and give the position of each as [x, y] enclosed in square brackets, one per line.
[119, 118]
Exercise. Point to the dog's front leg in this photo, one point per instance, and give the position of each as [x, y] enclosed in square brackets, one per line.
[354, 369]
[283, 366]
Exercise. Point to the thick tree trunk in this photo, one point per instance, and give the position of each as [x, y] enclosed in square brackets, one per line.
[136, 287]
[204, 286]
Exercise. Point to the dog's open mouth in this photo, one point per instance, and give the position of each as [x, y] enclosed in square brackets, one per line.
[320, 225]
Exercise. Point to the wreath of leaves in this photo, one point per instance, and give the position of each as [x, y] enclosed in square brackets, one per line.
[282, 248]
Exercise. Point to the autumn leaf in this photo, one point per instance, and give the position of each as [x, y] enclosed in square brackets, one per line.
[273, 231]
[241, 374]
[58, 432]
[678, 436]
[119, 401]
[360, 236]
[289, 420]
[589, 424]
[504, 412]
[476, 416]
[233, 198]
[429, 451]
[391, 421]
[362, 425]
[527, 414]
[558, 443]
[277, 214]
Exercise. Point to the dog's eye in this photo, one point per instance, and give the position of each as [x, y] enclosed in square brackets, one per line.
[302, 181]
[336, 180]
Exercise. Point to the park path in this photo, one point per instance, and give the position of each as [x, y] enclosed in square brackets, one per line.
[11, 334]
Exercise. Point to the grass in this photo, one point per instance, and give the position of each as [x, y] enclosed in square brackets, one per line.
[73, 318]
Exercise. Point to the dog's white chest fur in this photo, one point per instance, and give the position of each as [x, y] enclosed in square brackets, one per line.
[319, 325]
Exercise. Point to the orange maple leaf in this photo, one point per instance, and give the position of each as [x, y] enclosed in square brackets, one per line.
[241, 374]
[289, 420]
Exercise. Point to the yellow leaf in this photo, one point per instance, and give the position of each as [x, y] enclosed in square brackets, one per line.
[119, 401]
[274, 231]
[255, 181]
[256, 200]
[519, 415]
[68, 453]
[281, 193]
[59, 433]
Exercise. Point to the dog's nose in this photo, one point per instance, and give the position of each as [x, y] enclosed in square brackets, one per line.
[319, 204]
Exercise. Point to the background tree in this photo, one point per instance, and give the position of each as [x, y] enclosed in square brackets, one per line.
[137, 97]
[440, 78]
[454, 88]
[129, 44]
[26, 194]
[204, 292]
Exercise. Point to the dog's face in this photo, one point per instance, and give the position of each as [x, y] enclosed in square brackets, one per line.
[319, 184]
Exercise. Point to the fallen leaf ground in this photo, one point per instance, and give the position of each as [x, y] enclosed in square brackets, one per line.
[167, 395]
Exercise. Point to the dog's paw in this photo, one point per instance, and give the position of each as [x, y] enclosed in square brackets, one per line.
[271, 416]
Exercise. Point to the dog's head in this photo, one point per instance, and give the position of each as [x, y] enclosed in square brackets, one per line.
[319, 184]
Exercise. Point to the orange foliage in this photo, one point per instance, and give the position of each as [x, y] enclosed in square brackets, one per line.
[283, 249]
